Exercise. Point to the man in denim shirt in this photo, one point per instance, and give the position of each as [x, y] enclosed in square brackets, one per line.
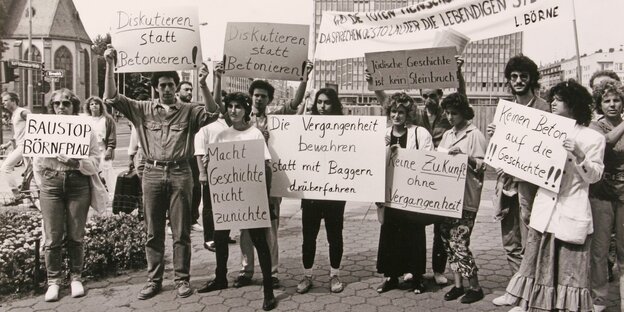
[165, 127]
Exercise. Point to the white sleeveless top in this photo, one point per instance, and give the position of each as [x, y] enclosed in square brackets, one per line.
[19, 125]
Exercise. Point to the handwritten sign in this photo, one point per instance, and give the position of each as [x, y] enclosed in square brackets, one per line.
[154, 38]
[264, 50]
[53, 135]
[420, 181]
[351, 34]
[528, 144]
[413, 69]
[237, 185]
[328, 157]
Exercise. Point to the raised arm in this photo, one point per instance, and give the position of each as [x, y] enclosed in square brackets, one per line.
[211, 105]
[461, 89]
[218, 72]
[110, 89]
[382, 97]
[294, 104]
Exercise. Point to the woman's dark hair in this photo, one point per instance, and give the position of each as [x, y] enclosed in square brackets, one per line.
[576, 98]
[604, 88]
[264, 85]
[171, 74]
[240, 98]
[96, 99]
[458, 102]
[72, 98]
[333, 98]
[402, 99]
[522, 63]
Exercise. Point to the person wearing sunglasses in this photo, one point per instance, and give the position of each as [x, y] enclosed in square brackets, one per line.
[65, 200]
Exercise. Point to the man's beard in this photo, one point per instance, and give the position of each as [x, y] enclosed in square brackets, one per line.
[524, 91]
[186, 99]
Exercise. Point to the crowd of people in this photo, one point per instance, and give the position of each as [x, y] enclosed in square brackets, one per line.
[557, 244]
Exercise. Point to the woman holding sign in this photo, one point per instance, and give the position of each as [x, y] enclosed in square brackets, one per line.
[65, 198]
[463, 138]
[402, 240]
[554, 273]
[326, 102]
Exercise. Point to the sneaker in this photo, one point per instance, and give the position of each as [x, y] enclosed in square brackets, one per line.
[169, 231]
[242, 281]
[440, 279]
[77, 290]
[472, 296]
[388, 284]
[335, 285]
[53, 293]
[454, 293]
[210, 246]
[197, 227]
[212, 286]
[517, 309]
[275, 282]
[150, 290]
[183, 289]
[305, 285]
[599, 308]
[501, 301]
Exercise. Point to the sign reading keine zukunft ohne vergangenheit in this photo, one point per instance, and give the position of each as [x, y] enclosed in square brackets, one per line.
[53, 135]
[413, 69]
[351, 34]
[154, 38]
[528, 144]
[237, 184]
[266, 50]
[420, 181]
[328, 157]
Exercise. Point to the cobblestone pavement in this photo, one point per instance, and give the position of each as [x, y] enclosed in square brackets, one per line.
[361, 237]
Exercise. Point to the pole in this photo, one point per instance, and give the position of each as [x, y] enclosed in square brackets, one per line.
[29, 92]
[579, 74]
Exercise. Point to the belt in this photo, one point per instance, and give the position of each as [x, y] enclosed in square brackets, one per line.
[613, 176]
[166, 163]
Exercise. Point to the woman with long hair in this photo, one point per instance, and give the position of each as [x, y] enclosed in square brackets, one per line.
[105, 130]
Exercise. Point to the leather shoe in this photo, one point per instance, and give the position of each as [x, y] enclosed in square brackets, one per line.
[454, 293]
[231, 241]
[275, 281]
[269, 304]
[388, 284]
[183, 289]
[150, 290]
[472, 296]
[242, 281]
[212, 286]
[210, 246]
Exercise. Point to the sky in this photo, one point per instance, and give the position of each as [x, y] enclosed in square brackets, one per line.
[598, 23]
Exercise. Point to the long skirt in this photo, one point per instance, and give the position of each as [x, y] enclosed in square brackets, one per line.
[554, 275]
[402, 244]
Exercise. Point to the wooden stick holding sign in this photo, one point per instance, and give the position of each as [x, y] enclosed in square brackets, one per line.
[528, 144]
[264, 50]
[237, 185]
[53, 135]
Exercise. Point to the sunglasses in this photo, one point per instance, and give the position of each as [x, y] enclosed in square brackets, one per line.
[64, 103]
[426, 96]
[523, 77]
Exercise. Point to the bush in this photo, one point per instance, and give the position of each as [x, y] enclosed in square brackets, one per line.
[112, 244]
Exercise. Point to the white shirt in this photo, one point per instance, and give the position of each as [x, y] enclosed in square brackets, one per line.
[208, 135]
[231, 135]
[19, 125]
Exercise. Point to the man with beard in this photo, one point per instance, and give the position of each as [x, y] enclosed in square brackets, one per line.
[514, 196]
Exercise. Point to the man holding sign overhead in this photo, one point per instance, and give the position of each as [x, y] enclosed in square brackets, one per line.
[165, 128]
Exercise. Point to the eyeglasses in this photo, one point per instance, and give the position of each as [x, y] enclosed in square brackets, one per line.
[426, 96]
[64, 103]
[523, 77]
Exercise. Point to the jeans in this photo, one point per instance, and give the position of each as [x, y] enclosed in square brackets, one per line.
[605, 215]
[197, 191]
[312, 213]
[246, 244]
[207, 218]
[511, 233]
[8, 165]
[258, 238]
[65, 199]
[167, 189]
[526, 196]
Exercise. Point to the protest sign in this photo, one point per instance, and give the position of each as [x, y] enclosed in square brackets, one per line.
[351, 34]
[528, 144]
[420, 181]
[328, 157]
[149, 39]
[53, 135]
[237, 184]
[413, 69]
[265, 50]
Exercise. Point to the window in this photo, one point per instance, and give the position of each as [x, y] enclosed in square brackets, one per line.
[63, 60]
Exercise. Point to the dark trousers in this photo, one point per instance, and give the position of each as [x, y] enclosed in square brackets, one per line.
[167, 189]
[207, 218]
[197, 191]
[438, 251]
[258, 237]
[312, 213]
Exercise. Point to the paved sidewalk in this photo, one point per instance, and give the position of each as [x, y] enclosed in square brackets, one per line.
[361, 237]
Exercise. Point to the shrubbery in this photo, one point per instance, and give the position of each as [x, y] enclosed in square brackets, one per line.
[112, 243]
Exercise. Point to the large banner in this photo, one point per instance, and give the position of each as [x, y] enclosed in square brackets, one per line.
[328, 157]
[264, 50]
[528, 144]
[351, 34]
[155, 38]
[53, 135]
[413, 69]
[420, 181]
[238, 185]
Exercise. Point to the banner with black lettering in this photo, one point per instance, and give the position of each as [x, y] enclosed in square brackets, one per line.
[52, 135]
[237, 183]
[328, 157]
[528, 144]
[155, 38]
[351, 34]
[420, 181]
